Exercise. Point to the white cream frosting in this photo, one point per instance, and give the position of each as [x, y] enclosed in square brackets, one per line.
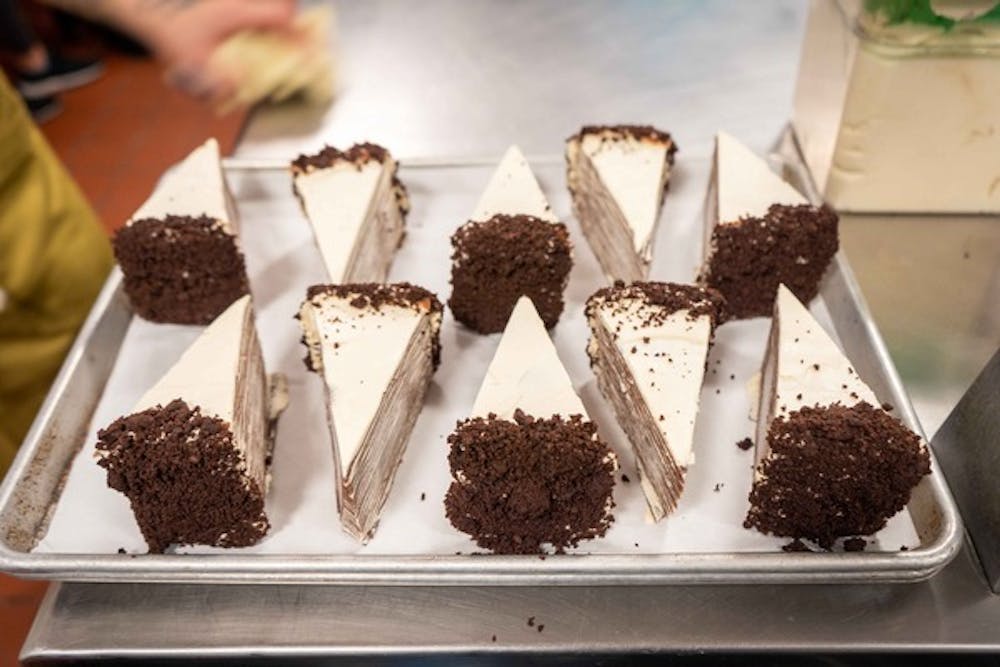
[634, 172]
[205, 375]
[802, 345]
[526, 372]
[745, 184]
[803, 367]
[360, 350]
[513, 190]
[193, 187]
[668, 366]
[338, 200]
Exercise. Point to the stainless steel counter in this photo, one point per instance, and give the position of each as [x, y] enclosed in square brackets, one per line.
[461, 78]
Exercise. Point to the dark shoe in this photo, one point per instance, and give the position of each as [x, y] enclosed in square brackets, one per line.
[43, 109]
[62, 74]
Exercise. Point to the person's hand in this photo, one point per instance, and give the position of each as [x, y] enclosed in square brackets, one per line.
[187, 33]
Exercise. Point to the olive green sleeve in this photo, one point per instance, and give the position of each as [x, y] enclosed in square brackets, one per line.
[54, 258]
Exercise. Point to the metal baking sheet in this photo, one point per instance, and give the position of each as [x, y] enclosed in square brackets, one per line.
[33, 488]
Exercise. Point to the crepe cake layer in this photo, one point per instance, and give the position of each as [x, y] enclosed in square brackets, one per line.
[760, 232]
[192, 458]
[617, 176]
[512, 246]
[357, 209]
[830, 462]
[648, 349]
[529, 470]
[179, 253]
[376, 346]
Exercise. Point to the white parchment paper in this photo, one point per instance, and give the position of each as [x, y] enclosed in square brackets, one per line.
[282, 261]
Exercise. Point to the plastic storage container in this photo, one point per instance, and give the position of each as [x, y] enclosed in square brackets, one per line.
[897, 105]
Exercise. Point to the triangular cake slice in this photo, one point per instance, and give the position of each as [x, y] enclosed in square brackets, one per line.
[179, 253]
[760, 232]
[512, 246]
[357, 208]
[529, 470]
[830, 462]
[617, 177]
[376, 347]
[648, 348]
[193, 456]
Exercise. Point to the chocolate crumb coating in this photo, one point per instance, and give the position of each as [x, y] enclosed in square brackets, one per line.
[523, 484]
[668, 297]
[835, 472]
[637, 132]
[751, 257]
[496, 262]
[328, 156]
[184, 478]
[377, 295]
[180, 269]
[745, 444]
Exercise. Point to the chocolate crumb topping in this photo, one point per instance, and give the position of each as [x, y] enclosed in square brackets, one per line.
[184, 478]
[523, 484]
[379, 295]
[180, 269]
[751, 257]
[496, 262]
[328, 156]
[667, 298]
[835, 472]
[637, 132]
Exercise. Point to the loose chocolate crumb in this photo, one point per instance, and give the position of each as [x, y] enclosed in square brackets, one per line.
[531, 621]
[854, 544]
[751, 257]
[835, 472]
[625, 478]
[815, 367]
[423, 496]
[494, 638]
[519, 485]
[496, 262]
[541, 626]
[745, 444]
[179, 269]
[121, 550]
[732, 376]
[796, 545]
[887, 407]
[904, 548]
[183, 477]
[718, 487]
